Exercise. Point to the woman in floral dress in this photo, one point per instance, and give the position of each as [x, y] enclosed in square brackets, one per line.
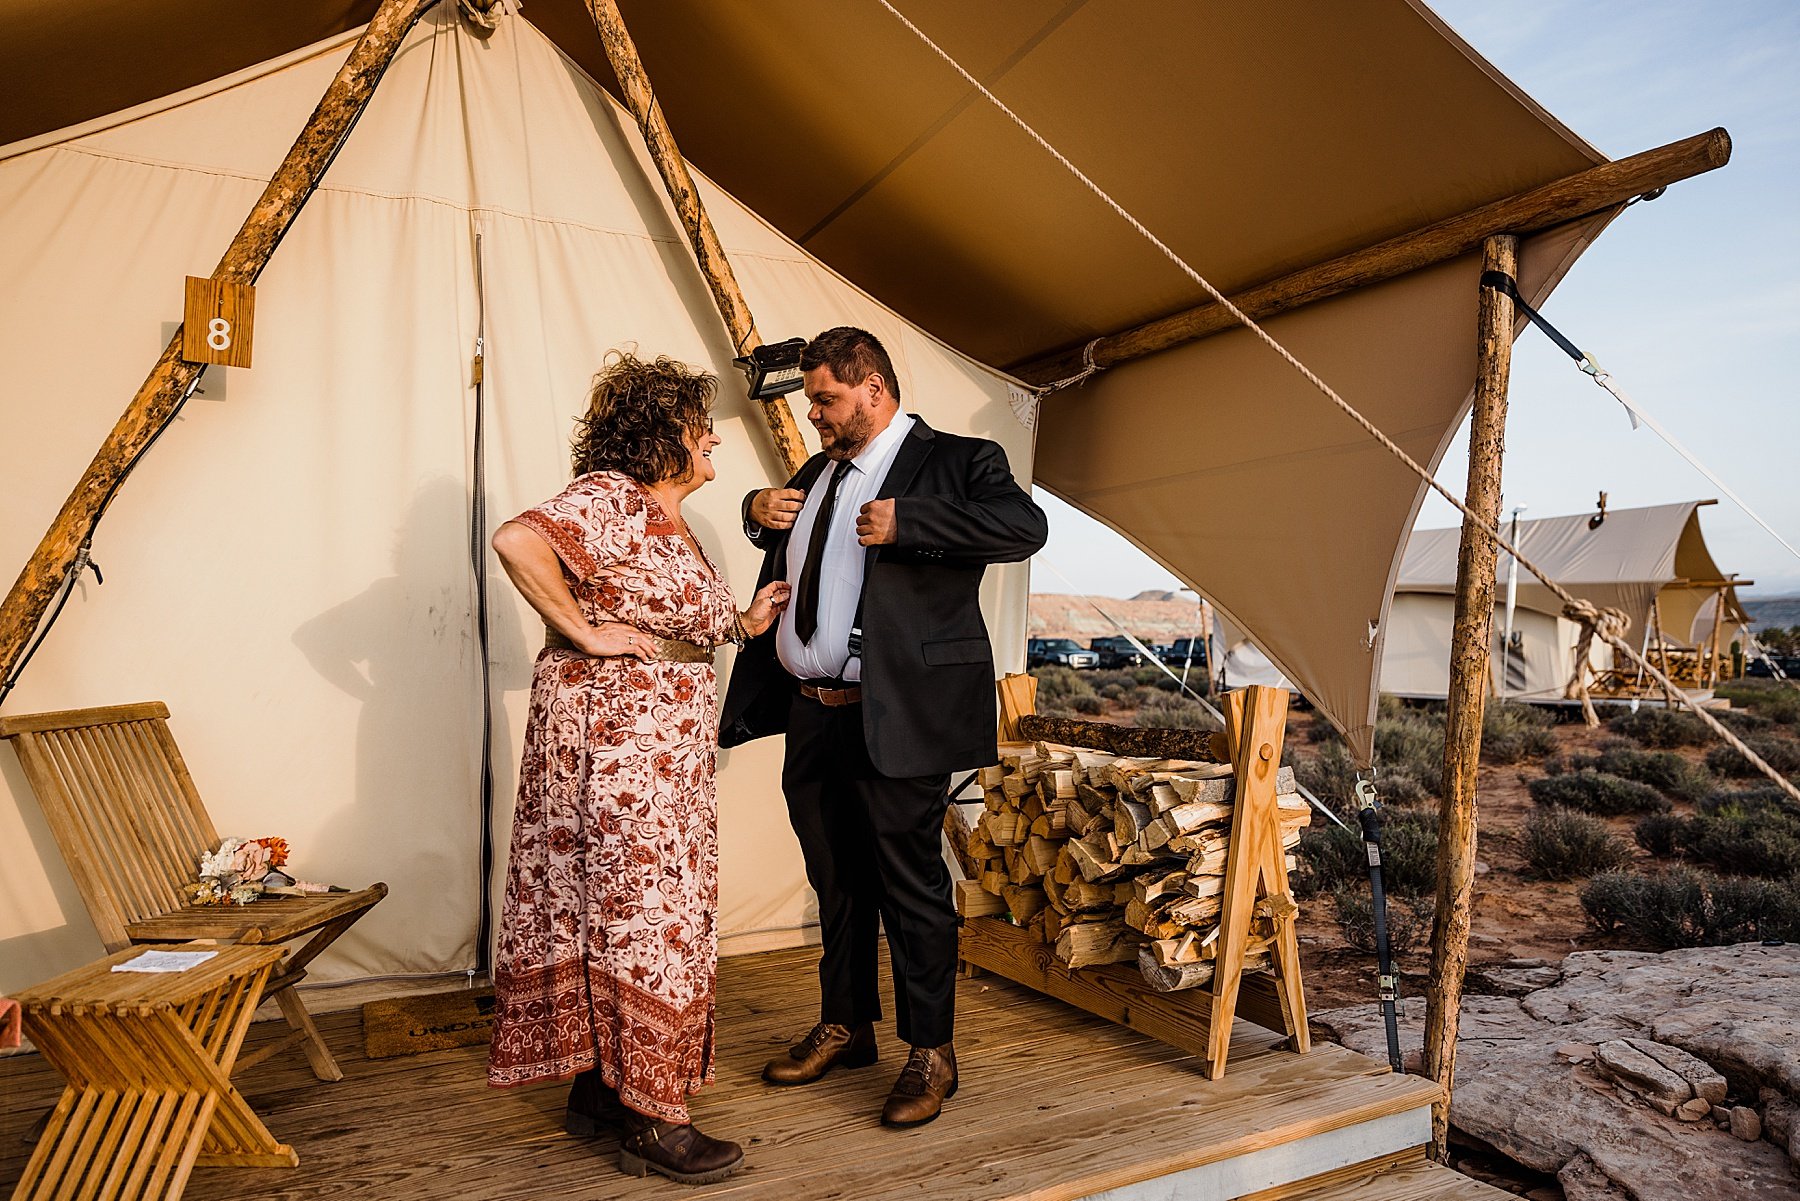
[608, 943]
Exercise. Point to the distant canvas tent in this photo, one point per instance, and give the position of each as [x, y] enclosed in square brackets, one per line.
[290, 566]
[1652, 564]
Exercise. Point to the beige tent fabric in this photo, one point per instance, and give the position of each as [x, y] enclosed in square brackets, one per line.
[1624, 563]
[1254, 139]
[1415, 657]
[289, 567]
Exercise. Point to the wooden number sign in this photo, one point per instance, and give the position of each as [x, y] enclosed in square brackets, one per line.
[217, 320]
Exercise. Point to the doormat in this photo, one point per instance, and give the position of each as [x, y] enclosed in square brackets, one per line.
[433, 1022]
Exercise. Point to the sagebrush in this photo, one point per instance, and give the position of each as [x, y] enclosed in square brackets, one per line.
[1598, 793]
[1686, 908]
[1561, 844]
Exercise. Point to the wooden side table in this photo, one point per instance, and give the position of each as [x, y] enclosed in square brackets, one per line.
[148, 1059]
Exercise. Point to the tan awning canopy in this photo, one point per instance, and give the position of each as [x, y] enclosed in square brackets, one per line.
[1254, 139]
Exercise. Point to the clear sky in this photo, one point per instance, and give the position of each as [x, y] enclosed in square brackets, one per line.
[1692, 302]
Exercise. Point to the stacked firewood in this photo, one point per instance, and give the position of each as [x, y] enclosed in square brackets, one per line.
[1115, 859]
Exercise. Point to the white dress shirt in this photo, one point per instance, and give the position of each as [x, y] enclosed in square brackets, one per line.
[827, 656]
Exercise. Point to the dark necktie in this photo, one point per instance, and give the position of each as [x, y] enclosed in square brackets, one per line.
[806, 592]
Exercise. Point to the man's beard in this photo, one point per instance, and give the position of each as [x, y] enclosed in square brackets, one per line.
[850, 440]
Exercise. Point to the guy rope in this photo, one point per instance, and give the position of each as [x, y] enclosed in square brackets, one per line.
[1574, 607]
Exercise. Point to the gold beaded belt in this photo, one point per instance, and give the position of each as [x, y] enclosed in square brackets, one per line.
[668, 650]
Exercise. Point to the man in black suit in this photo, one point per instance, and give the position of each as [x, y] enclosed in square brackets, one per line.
[882, 677]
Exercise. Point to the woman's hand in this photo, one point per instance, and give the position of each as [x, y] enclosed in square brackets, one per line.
[615, 639]
[766, 606]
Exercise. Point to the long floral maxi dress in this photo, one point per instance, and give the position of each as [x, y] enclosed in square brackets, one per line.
[608, 943]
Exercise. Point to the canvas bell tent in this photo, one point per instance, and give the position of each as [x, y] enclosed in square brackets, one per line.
[290, 566]
[1652, 564]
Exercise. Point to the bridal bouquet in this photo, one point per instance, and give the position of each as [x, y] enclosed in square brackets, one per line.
[243, 869]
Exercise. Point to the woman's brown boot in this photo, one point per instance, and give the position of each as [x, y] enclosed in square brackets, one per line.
[678, 1151]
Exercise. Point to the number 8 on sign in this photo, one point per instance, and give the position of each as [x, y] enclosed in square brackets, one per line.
[218, 322]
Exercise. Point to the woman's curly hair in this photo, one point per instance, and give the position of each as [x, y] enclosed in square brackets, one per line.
[636, 415]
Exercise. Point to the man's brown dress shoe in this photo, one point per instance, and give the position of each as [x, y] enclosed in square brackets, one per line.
[679, 1152]
[926, 1082]
[825, 1047]
[593, 1105]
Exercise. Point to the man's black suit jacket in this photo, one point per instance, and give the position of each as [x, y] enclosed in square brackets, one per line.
[927, 667]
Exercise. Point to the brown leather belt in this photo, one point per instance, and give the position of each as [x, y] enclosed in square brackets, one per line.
[833, 697]
[667, 650]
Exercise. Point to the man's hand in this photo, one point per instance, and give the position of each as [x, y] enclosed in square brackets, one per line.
[875, 524]
[776, 508]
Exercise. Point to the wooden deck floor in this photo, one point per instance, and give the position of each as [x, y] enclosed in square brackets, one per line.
[1052, 1104]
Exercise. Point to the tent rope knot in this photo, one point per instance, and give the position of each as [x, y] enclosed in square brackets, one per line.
[1611, 625]
[1088, 368]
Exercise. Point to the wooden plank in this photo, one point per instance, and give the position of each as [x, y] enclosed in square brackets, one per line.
[1471, 647]
[69, 719]
[996, 1141]
[1541, 208]
[218, 320]
[1116, 993]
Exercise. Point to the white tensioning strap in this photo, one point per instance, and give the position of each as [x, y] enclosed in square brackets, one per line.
[1489, 529]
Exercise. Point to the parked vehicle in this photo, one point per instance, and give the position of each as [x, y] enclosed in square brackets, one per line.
[1177, 653]
[1059, 652]
[1117, 652]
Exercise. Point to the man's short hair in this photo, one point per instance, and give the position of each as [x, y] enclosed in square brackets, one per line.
[853, 356]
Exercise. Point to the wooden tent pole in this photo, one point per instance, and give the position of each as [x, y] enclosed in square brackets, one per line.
[172, 377]
[1470, 651]
[1539, 209]
[1712, 671]
[634, 82]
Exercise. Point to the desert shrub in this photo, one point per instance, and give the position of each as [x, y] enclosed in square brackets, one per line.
[1113, 692]
[1597, 792]
[1331, 775]
[1782, 754]
[1659, 833]
[1663, 728]
[1512, 732]
[1742, 722]
[1056, 684]
[1408, 919]
[1561, 844]
[1684, 908]
[1332, 857]
[1087, 704]
[1665, 771]
[1100, 681]
[1777, 700]
[1411, 743]
[1173, 711]
[1147, 674]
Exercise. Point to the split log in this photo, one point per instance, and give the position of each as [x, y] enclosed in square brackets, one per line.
[1135, 741]
[972, 900]
[172, 377]
[1088, 943]
[991, 775]
[1041, 854]
[958, 834]
[1197, 911]
[1148, 921]
[1018, 867]
[1172, 979]
[994, 882]
[1129, 819]
[1082, 897]
[1154, 887]
[1023, 903]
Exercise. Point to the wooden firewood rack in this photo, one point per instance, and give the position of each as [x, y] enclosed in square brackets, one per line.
[1198, 1020]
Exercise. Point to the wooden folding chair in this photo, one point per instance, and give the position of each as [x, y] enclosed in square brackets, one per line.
[132, 828]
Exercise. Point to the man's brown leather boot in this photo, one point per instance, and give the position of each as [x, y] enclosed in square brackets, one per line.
[926, 1082]
[825, 1047]
[679, 1152]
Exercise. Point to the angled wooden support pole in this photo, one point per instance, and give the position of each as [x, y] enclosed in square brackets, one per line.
[621, 53]
[1529, 212]
[1470, 650]
[172, 377]
[1255, 872]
